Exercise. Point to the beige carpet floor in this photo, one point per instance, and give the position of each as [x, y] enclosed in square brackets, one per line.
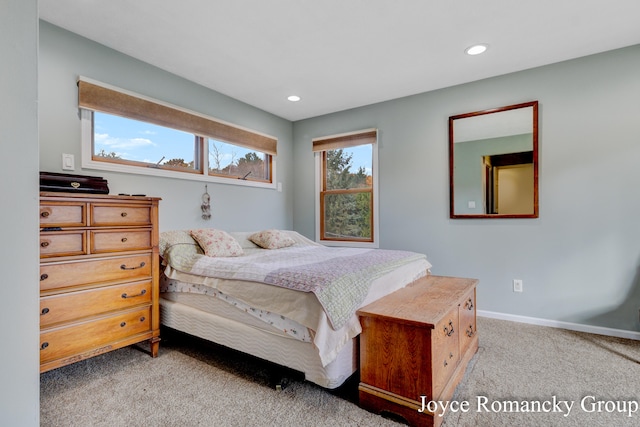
[193, 383]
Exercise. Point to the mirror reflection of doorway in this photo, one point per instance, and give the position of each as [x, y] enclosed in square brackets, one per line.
[508, 183]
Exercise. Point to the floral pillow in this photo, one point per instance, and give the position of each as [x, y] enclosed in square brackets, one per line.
[216, 243]
[271, 239]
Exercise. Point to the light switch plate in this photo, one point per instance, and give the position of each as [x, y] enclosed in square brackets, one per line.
[68, 162]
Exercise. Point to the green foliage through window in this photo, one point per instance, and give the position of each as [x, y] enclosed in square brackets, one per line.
[347, 196]
[238, 162]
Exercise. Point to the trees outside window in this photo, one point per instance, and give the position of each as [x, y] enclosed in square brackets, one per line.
[347, 197]
[347, 190]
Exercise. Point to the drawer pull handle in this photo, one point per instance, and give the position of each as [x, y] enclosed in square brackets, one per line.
[142, 319]
[123, 324]
[445, 363]
[469, 304]
[44, 277]
[44, 311]
[45, 214]
[44, 243]
[123, 240]
[124, 267]
[125, 296]
[470, 331]
[44, 345]
[123, 214]
[449, 331]
[450, 355]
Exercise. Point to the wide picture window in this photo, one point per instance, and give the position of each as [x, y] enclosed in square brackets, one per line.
[126, 132]
[347, 188]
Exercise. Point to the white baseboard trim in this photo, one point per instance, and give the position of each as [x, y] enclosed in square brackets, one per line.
[619, 333]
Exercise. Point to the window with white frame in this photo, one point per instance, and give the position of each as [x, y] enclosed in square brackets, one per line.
[346, 189]
[126, 132]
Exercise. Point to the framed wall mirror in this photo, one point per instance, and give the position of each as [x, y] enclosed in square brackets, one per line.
[493, 163]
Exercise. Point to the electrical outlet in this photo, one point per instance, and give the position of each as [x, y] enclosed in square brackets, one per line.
[517, 285]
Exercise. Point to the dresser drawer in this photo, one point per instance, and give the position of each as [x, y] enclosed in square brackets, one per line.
[120, 240]
[76, 338]
[62, 214]
[66, 274]
[468, 321]
[445, 350]
[62, 243]
[76, 305]
[114, 215]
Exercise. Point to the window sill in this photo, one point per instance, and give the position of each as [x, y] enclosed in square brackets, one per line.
[371, 245]
[135, 170]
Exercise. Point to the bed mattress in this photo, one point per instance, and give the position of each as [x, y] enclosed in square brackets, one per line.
[197, 297]
[300, 307]
[261, 342]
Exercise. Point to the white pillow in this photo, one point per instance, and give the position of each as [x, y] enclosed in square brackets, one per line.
[216, 243]
[271, 239]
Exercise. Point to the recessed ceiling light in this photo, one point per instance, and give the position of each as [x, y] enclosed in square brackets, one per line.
[476, 49]
[294, 98]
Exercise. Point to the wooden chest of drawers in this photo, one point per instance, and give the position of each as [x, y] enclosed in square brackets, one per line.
[99, 269]
[417, 342]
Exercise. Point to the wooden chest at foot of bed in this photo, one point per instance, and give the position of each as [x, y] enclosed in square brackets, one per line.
[99, 271]
[415, 346]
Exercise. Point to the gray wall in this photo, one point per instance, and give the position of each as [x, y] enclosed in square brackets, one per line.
[19, 378]
[64, 56]
[580, 260]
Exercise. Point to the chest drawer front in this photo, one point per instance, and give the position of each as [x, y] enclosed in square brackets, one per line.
[77, 305]
[70, 340]
[468, 320]
[120, 240]
[62, 243]
[64, 214]
[445, 350]
[114, 215]
[62, 275]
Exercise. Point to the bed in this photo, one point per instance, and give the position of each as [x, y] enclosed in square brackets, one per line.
[277, 295]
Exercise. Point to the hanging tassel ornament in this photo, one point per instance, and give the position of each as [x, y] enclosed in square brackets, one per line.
[206, 207]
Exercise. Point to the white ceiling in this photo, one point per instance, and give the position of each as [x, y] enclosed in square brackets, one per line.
[341, 54]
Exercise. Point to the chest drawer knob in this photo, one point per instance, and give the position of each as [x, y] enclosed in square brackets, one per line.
[470, 331]
[44, 277]
[448, 331]
[123, 324]
[45, 214]
[142, 319]
[123, 214]
[142, 292]
[44, 311]
[124, 267]
[44, 345]
[44, 243]
[469, 304]
[123, 240]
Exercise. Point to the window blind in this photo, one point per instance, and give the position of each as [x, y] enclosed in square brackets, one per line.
[368, 136]
[97, 97]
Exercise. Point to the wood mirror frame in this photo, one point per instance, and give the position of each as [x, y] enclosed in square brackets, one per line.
[504, 143]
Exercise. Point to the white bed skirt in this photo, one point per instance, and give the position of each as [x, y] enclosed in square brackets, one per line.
[278, 349]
